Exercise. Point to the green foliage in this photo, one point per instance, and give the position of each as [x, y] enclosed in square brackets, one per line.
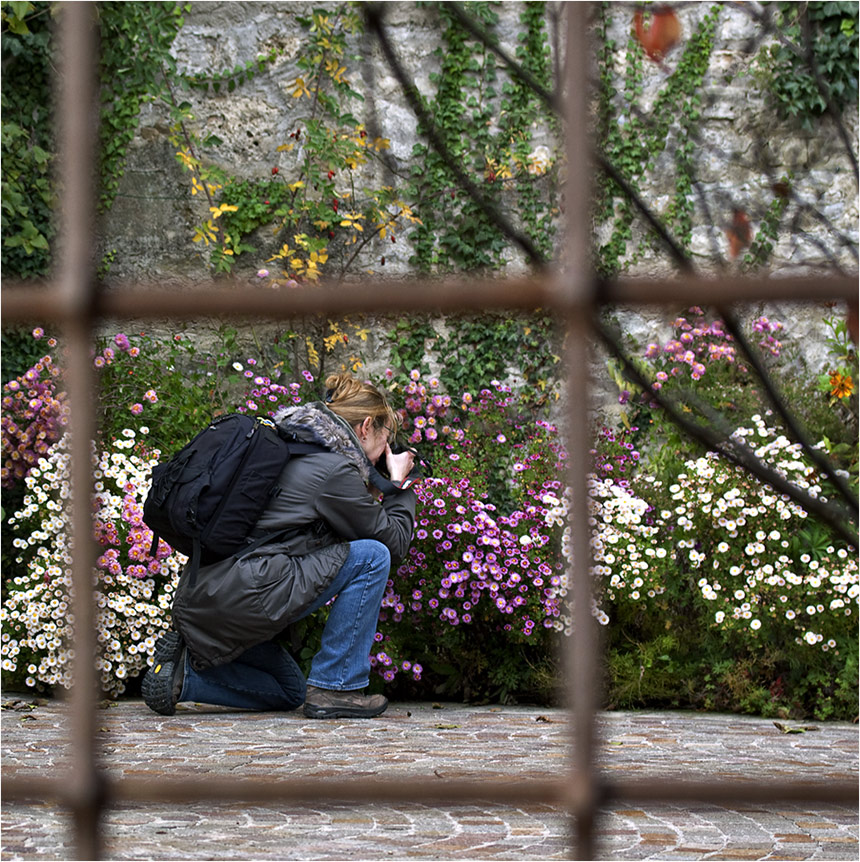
[473, 350]
[761, 248]
[715, 595]
[176, 372]
[135, 65]
[27, 139]
[20, 351]
[833, 28]
[455, 232]
[632, 141]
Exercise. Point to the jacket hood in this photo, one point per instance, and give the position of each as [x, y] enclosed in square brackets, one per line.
[315, 423]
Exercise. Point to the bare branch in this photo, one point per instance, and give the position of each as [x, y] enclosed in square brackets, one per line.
[823, 464]
[374, 16]
[730, 448]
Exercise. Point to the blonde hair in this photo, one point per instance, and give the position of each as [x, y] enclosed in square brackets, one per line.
[354, 401]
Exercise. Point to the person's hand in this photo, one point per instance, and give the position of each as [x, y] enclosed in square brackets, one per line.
[399, 465]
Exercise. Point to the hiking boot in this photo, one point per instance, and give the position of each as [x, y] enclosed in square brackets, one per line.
[162, 683]
[322, 703]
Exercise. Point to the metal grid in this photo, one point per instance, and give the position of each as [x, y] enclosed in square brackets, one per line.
[73, 302]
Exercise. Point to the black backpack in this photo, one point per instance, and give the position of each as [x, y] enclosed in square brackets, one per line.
[205, 500]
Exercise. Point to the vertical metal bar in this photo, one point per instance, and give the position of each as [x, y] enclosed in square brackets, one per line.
[78, 123]
[577, 280]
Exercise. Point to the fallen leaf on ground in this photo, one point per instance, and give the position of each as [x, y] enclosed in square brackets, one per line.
[796, 729]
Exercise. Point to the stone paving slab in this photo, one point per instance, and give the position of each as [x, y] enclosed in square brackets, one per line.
[422, 742]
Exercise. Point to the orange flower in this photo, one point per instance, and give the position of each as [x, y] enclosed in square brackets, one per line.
[841, 387]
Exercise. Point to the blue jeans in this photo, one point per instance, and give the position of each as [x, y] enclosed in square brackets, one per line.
[266, 677]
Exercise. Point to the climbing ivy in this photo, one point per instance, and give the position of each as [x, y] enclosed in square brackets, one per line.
[633, 140]
[784, 64]
[486, 125]
[27, 139]
[135, 62]
[761, 248]
[468, 351]
[135, 66]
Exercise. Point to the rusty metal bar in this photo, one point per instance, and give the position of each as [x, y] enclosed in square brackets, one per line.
[551, 791]
[45, 303]
[78, 124]
[576, 287]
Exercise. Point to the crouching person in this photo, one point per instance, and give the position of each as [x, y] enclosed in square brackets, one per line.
[338, 541]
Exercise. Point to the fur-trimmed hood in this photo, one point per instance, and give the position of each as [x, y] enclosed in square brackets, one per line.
[315, 423]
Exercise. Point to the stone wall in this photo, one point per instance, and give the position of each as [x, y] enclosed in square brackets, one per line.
[742, 146]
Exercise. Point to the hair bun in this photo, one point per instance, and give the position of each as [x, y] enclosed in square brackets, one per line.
[342, 386]
[355, 400]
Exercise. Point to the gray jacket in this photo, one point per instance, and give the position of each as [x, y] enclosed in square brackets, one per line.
[323, 498]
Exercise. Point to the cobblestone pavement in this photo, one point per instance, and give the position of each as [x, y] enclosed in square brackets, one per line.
[422, 741]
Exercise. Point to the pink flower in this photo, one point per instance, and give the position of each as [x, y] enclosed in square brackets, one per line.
[136, 409]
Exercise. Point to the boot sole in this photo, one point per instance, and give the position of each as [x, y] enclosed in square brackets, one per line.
[157, 684]
[312, 711]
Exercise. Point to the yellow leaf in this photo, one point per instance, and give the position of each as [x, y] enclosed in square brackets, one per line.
[300, 89]
[294, 187]
[285, 148]
[381, 144]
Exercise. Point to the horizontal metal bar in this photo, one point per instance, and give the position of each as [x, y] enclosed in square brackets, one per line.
[44, 304]
[730, 290]
[570, 793]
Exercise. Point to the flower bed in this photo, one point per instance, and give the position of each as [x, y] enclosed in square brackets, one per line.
[714, 591]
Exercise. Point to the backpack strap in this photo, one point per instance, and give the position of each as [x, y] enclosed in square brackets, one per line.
[258, 424]
[295, 448]
[194, 561]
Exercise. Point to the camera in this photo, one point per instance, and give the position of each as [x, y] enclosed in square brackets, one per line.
[421, 467]
[379, 476]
